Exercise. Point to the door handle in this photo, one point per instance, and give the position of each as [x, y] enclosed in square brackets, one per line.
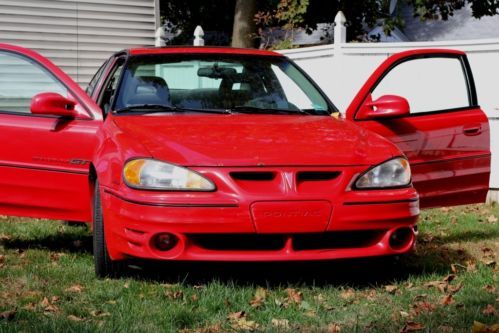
[471, 130]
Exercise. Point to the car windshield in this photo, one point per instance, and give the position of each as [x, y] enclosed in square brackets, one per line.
[228, 83]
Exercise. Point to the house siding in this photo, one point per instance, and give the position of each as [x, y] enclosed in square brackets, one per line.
[78, 35]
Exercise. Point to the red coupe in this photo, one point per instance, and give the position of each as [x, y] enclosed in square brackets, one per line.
[220, 154]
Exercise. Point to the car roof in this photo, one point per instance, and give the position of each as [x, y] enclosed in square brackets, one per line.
[200, 50]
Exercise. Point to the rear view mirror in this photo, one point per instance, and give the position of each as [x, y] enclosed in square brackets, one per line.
[386, 106]
[216, 72]
[52, 104]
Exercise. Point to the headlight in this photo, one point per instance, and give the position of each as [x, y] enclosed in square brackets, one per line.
[392, 173]
[156, 175]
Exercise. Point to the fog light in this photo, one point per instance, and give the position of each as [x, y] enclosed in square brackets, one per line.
[400, 238]
[165, 242]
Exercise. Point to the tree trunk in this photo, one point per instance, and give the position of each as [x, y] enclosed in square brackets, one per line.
[244, 24]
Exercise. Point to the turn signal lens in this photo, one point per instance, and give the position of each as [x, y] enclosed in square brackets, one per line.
[157, 175]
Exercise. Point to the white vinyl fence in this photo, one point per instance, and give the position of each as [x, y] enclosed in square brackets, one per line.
[342, 68]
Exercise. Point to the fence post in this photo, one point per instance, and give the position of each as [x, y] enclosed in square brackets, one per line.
[159, 37]
[198, 36]
[340, 39]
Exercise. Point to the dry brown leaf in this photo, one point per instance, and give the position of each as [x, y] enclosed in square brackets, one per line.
[492, 219]
[280, 323]
[442, 286]
[259, 298]
[412, 326]
[30, 306]
[75, 289]
[244, 325]
[489, 288]
[478, 327]
[489, 310]
[391, 289]
[333, 328]
[2, 258]
[488, 262]
[420, 307]
[347, 294]
[236, 315]
[194, 298]
[449, 278]
[455, 289]
[294, 296]
[174, 294]
[404, 314]
[74, 318]
[8, 315]
[446, 300]
[55, 299]
[99, 313]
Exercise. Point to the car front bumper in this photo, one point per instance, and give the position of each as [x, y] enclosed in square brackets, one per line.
[361, 224]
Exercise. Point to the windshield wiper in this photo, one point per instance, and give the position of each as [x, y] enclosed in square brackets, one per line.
[254, 109]
[152, 108]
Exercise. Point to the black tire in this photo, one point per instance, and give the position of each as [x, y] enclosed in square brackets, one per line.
[104, 265]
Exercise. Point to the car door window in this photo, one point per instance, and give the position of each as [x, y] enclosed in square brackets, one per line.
[109, 91]
[21, 79]
[428, 84]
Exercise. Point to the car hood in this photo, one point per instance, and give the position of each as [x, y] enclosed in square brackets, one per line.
[255, 140]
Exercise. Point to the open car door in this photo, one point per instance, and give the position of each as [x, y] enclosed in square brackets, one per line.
[48, 127]
[425, 102]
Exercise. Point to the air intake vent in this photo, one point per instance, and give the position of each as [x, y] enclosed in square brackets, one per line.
[305, 176]
[253, 176]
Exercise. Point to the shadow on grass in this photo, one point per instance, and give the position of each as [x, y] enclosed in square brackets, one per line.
[357, 273]
[468, 236]
[60, 242]
[432, 257]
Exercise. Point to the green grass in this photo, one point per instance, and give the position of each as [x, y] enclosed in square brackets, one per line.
[47, 259]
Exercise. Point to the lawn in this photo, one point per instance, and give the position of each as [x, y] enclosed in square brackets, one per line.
[47, 284]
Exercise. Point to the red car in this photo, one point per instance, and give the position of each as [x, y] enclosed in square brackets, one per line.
[223, 154]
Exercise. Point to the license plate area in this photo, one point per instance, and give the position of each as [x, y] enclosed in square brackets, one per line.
[291, 216]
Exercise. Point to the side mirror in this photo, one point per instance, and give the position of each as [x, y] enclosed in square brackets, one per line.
[386, 106]
[52, 104]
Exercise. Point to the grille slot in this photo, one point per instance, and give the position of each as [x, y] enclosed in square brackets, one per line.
[305, 176]
[337, 240]
[242, 242]
[253, 176]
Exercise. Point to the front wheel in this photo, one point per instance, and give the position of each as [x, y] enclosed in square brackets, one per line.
[104, 265]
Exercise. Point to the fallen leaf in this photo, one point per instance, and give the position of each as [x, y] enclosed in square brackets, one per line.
[74, 318]
[347, 294]
[174, 294]
[446, 300]
[2, 258]
[194, 298]
[244, 325]
[294, 296]
[55, 299]
[412, 326]
[478, 327]
[75, 289]
[280, 323]
[30, 306]
[436, 284]
[489, 288]
[404, 314]
[488, 262]
[126, 285]
[492, 219]
[259, 298]
[99, 313]
[8, 315]
[489, 310]
[454, 289]
[333, 328]
[391, 289]
[449, 278]
[236, 315]
[420, 307]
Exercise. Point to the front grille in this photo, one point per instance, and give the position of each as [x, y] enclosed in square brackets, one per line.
[300, 242]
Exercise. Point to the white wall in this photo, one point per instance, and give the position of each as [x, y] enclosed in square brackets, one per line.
[78, 35]
[342, 68]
